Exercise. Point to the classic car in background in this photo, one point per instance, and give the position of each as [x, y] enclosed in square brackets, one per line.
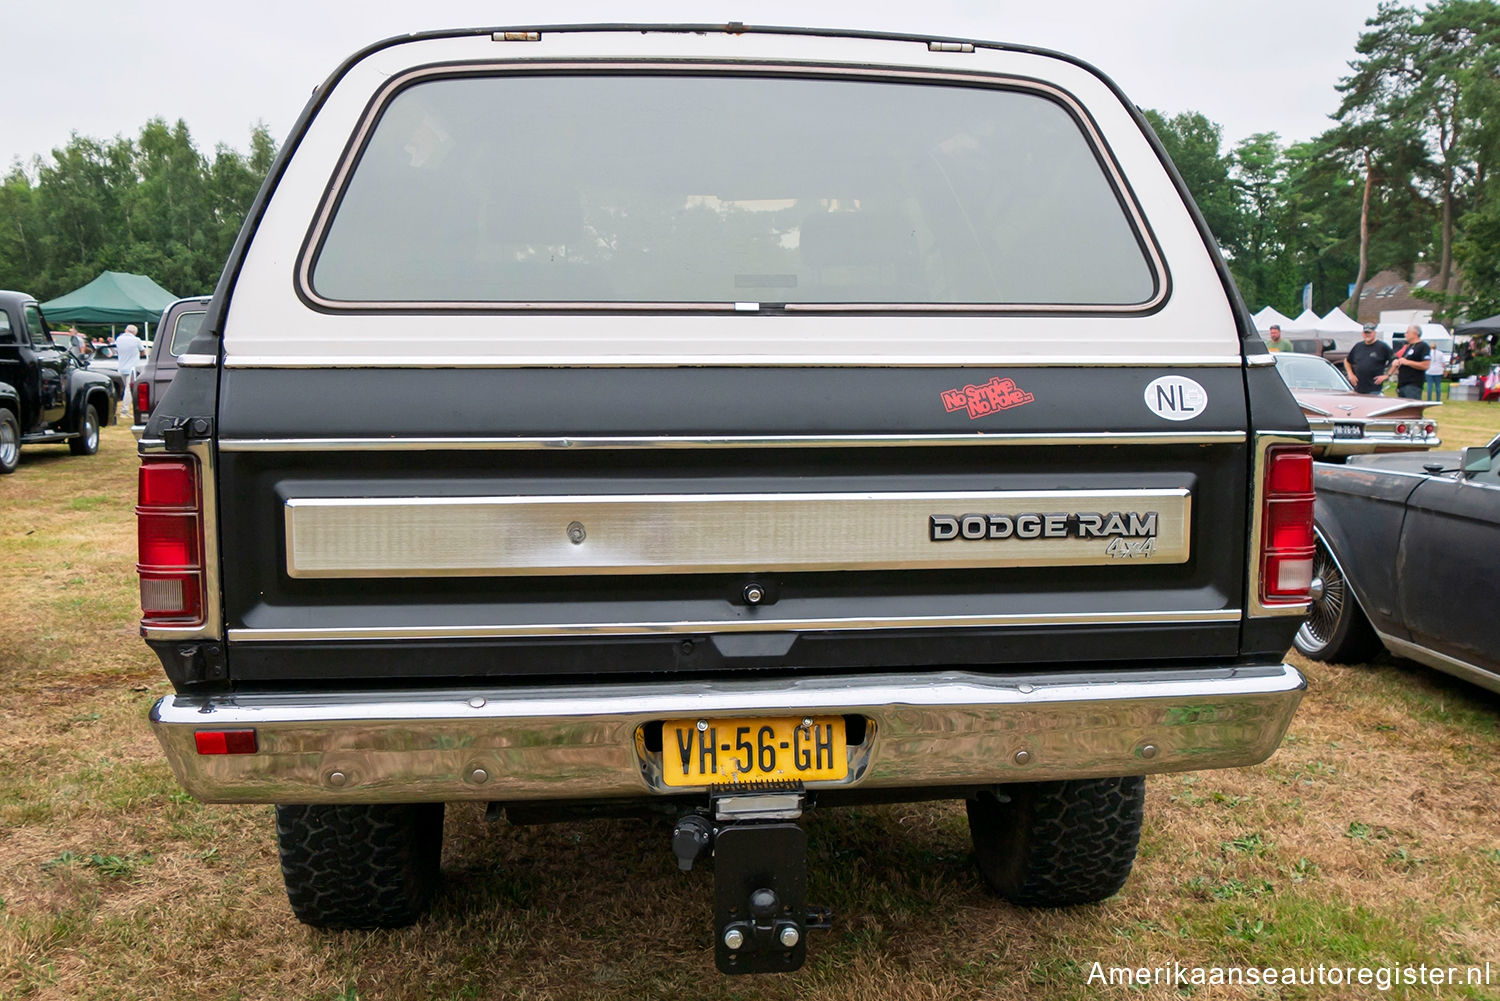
[1344, 422]
[46, 396]
[1312, 345]
[179, 324]
[1406, 558]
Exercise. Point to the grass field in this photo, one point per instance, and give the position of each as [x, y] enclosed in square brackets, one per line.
[1370, 839]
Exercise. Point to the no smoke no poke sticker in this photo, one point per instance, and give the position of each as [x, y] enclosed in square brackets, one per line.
[1176, 398]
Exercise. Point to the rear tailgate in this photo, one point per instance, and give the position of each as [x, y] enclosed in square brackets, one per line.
[492, 402]
[591, 521]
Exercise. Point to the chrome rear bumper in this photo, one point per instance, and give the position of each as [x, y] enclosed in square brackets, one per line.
[572, 744]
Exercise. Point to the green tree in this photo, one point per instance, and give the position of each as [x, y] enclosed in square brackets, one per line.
[152, 205]
[1414, 74]
[1322, 200]
[1258, 252]
[20, 227]
[1394, 217]
[1193, 142]
[1478, 256]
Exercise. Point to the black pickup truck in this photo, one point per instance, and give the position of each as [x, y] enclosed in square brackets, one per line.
[713, 423]
[46, 396]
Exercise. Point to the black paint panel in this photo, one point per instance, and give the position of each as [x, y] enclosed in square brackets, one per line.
[555, 403]
[526, 661]
[1449, 547]
[353, 402]
[1360, 512]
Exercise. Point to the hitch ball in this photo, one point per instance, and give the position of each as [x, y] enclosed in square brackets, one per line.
[764, 904]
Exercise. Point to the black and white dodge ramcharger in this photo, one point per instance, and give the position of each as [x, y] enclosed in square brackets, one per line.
[715, 422]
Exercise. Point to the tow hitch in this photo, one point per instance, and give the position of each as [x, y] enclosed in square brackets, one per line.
[761, 915]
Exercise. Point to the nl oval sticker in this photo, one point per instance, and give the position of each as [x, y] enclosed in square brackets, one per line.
[1176, 398]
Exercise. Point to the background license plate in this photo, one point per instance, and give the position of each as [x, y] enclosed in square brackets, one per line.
[1348, 431]
[752, 750]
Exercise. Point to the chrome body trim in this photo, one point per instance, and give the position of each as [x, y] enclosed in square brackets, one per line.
[454, 444]
[1259, 361]
[1384, 471]
[1441, 662]
[378, 103]
[1379, 436]
[757, 622]
[977, 359]
[586, 742]
[201, 452]
[714, 533]
[1405, 405]
[197, 361]
[1263, 442]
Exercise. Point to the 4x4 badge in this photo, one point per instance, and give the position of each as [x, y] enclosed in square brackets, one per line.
[981, 401]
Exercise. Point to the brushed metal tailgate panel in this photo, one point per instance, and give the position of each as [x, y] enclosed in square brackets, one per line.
[713, 533]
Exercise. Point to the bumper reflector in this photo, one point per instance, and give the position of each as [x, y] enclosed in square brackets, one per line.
[225, 741]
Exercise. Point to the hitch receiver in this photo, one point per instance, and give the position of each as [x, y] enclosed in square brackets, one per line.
[761, 917]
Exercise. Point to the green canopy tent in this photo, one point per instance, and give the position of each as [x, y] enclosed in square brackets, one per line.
[115, 297]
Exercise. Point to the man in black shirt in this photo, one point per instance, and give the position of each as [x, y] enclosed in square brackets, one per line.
[1410, 364]
[1367, 362]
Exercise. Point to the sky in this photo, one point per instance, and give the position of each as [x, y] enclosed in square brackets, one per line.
[102, 69]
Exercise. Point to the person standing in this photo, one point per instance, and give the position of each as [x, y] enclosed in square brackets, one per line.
[1409, 365]
[1367, 362]
[1277, 342]
[1437, 367]
[128, 356]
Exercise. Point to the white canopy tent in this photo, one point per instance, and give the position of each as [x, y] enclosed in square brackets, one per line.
[1338, 324]
[1306, 323]
[1266, 317]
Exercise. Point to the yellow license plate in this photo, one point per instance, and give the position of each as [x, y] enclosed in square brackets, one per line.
[698, 752]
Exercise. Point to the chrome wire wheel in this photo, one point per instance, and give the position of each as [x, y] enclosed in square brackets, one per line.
[1330, 598]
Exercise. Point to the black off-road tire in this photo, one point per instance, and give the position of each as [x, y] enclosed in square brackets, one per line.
[10, 442]
[360, 866]
[1055, 844]
[1335, 629]
[87, 442]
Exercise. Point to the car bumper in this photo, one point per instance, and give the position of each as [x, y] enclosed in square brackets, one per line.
[566, 744]
[1375, 437]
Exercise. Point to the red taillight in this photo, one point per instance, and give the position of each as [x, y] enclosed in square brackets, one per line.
[168, 483]
[1402, 429]
[142, 399]
[169, 536]
[1286, 535]
[1290, 472]
[225, 741]
[1429, 429]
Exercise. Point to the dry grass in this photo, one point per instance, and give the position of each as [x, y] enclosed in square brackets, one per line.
[1370, 838]
[1467, 422]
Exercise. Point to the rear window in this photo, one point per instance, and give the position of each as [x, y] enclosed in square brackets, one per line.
[718, 189]
[185, 329]
[1307, 372]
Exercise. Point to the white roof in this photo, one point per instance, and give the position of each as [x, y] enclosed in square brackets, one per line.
[1306, 323]
[1338, 322]
[1268, 316]
[267, 325]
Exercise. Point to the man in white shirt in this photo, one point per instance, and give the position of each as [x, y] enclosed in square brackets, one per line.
[128, 356]
[1437, 365]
